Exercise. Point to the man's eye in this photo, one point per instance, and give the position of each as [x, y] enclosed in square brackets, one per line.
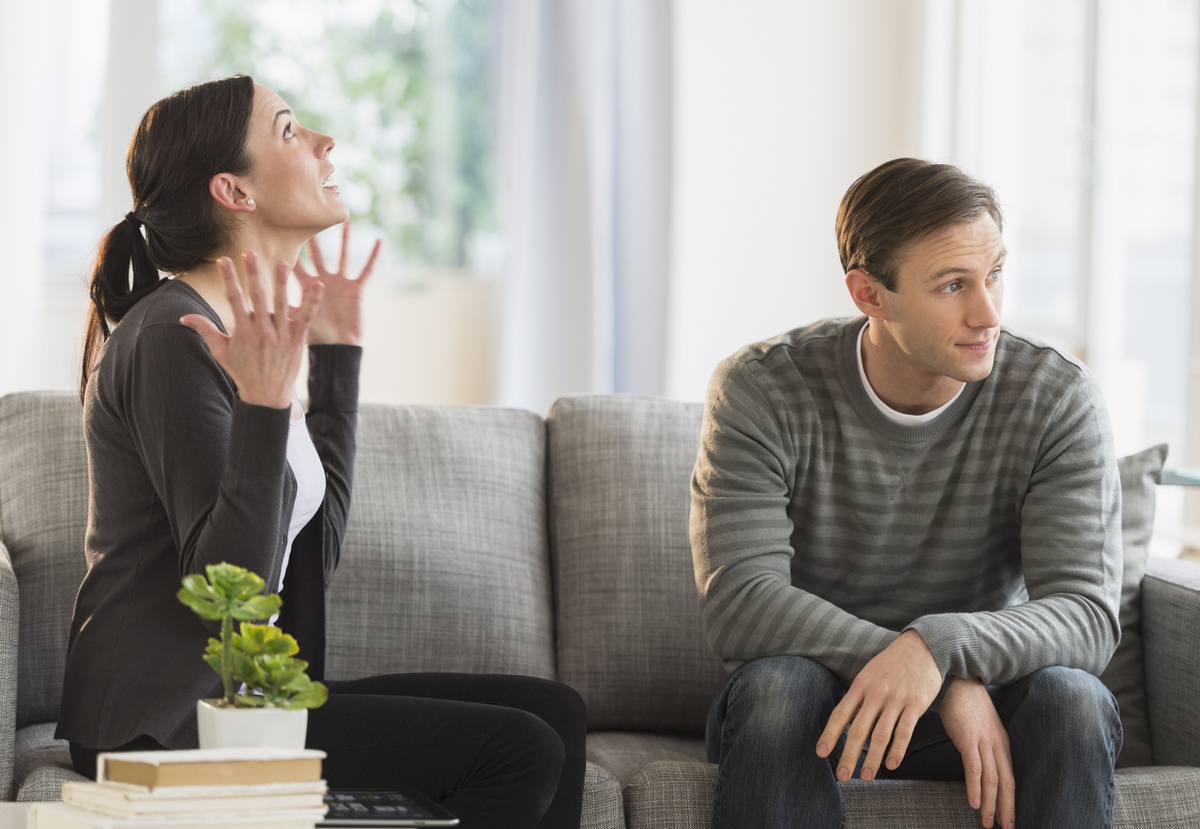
[953, 288]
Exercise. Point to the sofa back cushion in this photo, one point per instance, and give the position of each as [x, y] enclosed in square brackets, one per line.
[629, 633]
[445, 565]
[43, 516]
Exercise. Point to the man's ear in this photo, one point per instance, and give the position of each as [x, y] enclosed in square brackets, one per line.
[867, 293]
[228, 193]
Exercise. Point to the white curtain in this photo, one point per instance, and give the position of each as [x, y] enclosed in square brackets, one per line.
[27, 63]
[584, 180]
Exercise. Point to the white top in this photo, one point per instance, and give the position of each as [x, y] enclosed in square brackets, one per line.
[310, 486]
[888, 412]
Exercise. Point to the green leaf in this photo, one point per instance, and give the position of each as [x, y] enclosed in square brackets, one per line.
[314, 697]
[257, 607]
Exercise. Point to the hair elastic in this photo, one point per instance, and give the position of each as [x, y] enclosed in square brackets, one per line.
[133, 220]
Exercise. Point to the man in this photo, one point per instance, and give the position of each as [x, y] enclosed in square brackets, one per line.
[906, 535]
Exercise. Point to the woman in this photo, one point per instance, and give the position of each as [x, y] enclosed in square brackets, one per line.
[198, 453]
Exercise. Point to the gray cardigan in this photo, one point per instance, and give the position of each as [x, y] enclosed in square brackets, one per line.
[182, 474]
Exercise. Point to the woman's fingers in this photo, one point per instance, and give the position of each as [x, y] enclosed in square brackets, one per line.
[310, 300]
[314, 250]
[212, 336]
[254, 287]
[233, 289]
[264, 350]
[345, 247]
[370, 266]
[280, 294]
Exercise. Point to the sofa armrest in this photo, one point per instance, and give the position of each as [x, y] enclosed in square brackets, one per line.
[1171, 636]
[9, 613]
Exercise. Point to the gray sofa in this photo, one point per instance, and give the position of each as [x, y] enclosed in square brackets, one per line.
[494, 540]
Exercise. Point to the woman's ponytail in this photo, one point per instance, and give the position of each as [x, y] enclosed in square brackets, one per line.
[180, 144]
[112, 292]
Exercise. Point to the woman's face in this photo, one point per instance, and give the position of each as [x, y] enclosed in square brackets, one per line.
[291, 178]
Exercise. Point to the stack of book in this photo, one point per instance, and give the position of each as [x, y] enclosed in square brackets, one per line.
[199, 789]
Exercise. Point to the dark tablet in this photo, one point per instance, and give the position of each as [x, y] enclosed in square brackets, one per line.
[373, 808]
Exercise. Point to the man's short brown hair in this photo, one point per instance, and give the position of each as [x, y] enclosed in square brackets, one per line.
[900, 202]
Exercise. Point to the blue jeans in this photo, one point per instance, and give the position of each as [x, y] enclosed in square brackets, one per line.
[1063, 730]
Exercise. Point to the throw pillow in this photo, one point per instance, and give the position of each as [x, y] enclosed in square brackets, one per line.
[1125, 675]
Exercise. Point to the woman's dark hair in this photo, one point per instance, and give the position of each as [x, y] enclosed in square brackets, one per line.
[181, 143]
[900, 202]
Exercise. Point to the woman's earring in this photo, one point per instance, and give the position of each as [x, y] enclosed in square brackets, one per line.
[250, 202]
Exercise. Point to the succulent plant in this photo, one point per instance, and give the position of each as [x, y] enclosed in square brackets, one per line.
[262, 657]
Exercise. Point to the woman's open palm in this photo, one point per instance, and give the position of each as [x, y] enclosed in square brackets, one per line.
[339, 319]
[263, 351]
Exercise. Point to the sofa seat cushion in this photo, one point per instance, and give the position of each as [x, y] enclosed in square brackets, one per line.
[668, 794]
[602, 804]
[624, 753]
[446, 559]
[42, 764]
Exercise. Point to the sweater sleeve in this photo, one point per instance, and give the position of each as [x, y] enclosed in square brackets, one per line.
[741, 538]
[1071, 557]
[332, 422]
[216, 463]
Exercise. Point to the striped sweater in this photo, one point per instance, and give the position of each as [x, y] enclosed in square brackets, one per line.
[820, 528]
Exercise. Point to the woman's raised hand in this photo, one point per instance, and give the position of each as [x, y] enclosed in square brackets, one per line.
[263, 352]
[339, 319]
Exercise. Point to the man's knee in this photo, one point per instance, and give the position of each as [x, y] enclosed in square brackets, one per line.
[782, 698]
[1072, 703]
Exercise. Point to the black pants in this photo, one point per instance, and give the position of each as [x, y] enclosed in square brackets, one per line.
[497, 751]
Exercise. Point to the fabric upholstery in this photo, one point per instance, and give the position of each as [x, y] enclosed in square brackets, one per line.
[445, 559]
[625, 753]
[668, 794]
[1124, 675]
[629, 635]
[43, 514]
[1171, 634]
[43, 763]
[448, 558]
[602, 804]
[9, 620]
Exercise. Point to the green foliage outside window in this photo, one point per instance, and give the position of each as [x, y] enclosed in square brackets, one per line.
[403, 86]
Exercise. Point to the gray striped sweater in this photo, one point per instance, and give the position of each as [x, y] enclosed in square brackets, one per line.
[822, 529]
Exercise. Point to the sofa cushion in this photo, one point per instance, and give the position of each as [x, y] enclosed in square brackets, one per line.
[42, 764]
[629, 633]
[668, 794]
[625, 753]
[1171, 631]
[43, 516]
[1124, 675]
[445, 565]
[603, 807]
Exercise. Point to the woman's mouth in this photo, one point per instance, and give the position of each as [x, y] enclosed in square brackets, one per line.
[328, 184]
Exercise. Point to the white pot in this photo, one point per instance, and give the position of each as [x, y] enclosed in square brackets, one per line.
[250, 727]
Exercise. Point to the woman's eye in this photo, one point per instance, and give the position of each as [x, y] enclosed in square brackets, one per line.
[287, 131]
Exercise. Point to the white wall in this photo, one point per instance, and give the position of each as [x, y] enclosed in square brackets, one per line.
[779, 106]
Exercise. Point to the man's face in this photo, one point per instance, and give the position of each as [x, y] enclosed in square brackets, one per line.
[944, 316]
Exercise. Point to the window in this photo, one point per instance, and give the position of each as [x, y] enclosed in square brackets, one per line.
[1087, 126]
[402, 85]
